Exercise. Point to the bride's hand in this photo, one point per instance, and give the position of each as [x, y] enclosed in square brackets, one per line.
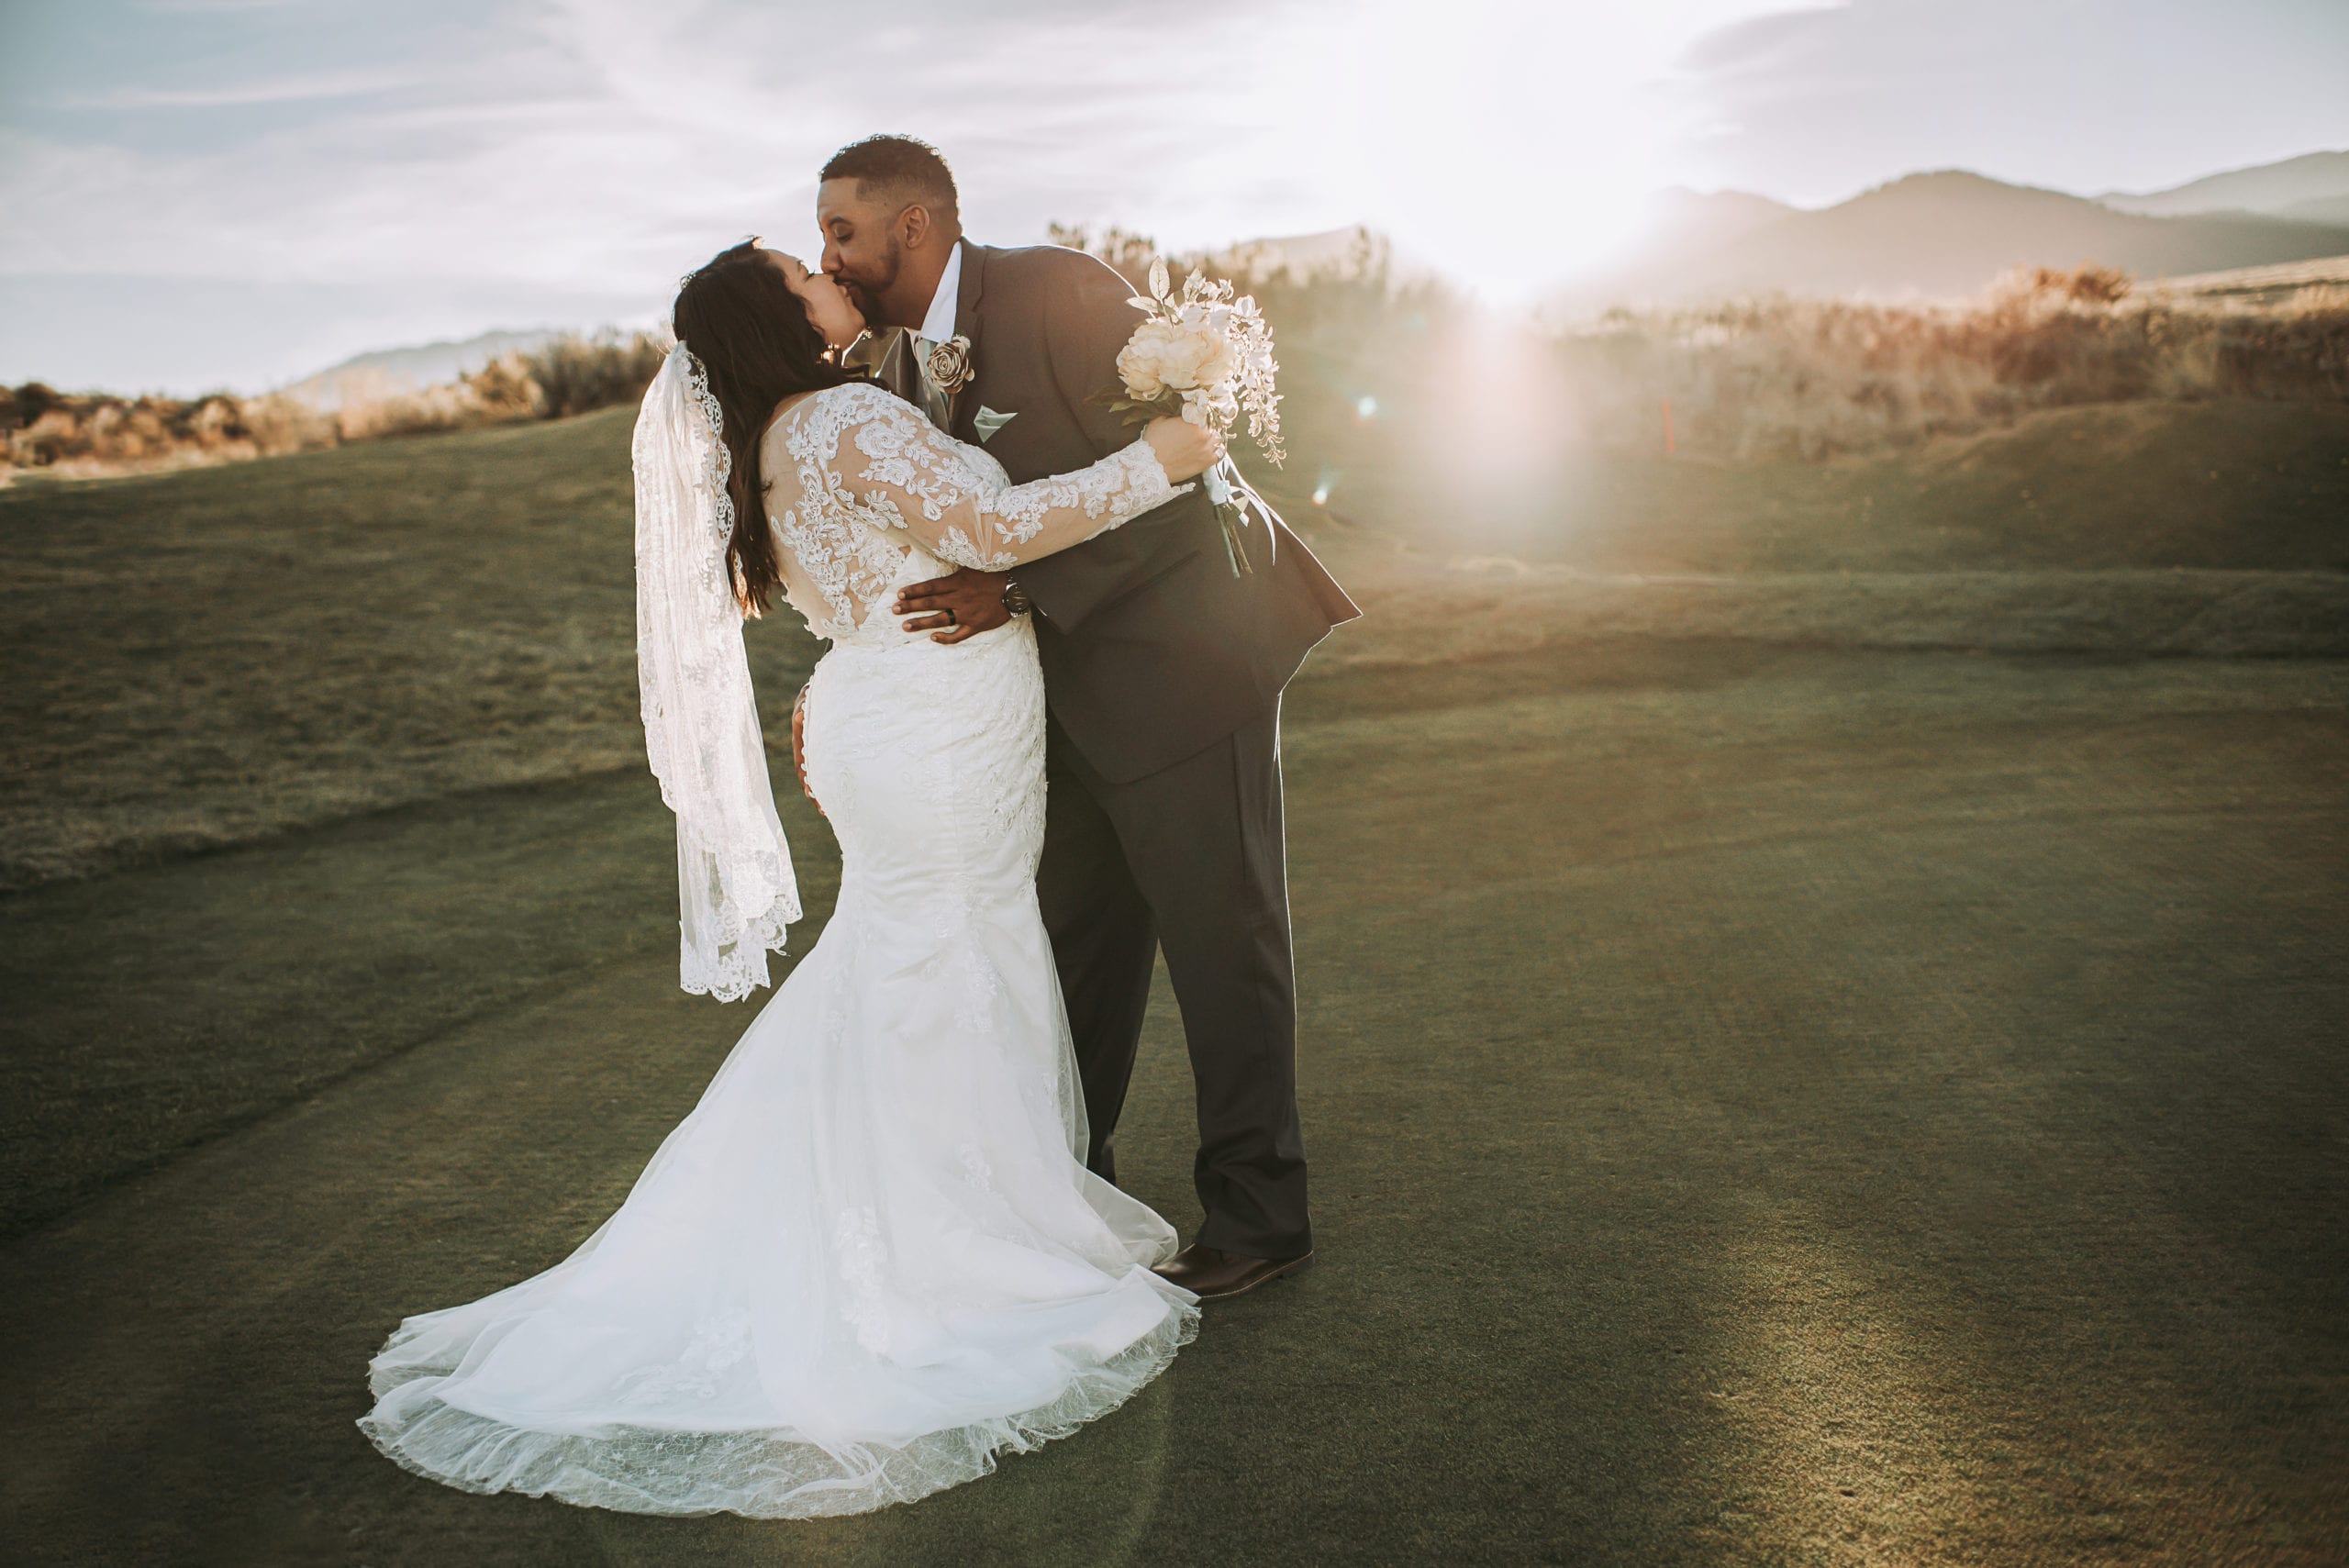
[1184, 450]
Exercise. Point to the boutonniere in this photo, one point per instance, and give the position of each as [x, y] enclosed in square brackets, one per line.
[948, 364]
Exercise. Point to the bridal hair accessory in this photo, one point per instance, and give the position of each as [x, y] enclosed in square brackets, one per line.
[1207, 357]
[735, 889]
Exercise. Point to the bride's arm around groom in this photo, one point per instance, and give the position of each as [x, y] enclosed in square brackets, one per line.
[1153, 648]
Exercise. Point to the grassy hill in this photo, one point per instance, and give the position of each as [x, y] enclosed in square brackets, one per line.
[218, 656]
[208, 657]
[2230, 485]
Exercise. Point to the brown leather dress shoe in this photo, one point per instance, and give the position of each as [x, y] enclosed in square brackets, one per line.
[1211, 1273]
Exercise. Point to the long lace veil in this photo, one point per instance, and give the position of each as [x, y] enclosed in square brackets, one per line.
[735, 890]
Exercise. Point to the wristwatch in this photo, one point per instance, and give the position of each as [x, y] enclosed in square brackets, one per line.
[1016, 601]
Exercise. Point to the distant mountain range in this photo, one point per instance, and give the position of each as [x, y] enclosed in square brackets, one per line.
[2314, 188]
[388, 372]
[1951, 233]
[1940, 235]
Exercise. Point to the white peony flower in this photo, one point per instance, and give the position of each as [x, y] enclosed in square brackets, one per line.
[1140, 362]
[1163, 356]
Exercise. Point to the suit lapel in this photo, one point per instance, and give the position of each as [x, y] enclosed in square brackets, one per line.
[962, 423]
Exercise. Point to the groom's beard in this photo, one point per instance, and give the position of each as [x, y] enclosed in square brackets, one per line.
[865, 292]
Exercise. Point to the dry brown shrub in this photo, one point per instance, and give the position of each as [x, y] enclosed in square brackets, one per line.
[1814, 378]
[577, 375]
[96, 434]
[79, 435]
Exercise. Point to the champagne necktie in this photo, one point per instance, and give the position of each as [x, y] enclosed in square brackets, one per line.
[893, 357]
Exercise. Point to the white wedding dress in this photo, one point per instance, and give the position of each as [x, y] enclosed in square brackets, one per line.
[871, 1260]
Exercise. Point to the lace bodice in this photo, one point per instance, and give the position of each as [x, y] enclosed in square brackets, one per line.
[867, 494]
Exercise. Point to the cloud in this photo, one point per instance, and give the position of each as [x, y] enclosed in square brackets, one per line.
[2085, 95]
[580, 154]
[461, 159]
[283, 90]
[213, 8]
[602, 134]
[1756, 43]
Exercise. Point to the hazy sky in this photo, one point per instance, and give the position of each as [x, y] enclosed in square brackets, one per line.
[198, 193]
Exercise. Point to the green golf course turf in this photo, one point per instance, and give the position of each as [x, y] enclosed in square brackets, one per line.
[1823, 1001]
[1766, 1106]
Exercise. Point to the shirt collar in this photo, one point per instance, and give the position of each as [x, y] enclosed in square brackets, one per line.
[938, 322]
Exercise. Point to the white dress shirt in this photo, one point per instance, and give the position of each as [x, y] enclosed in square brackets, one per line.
[938, 322]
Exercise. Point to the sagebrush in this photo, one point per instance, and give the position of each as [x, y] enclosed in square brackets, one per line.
[1815, 378]
[89, 434]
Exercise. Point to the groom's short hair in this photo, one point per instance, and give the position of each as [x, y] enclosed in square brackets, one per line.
[899, 169]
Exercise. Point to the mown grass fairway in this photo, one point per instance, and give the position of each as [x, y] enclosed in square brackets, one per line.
[1769, 1103]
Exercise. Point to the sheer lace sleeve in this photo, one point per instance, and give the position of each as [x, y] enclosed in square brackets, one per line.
[960, 507]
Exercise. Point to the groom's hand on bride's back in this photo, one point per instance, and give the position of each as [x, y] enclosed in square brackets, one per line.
[959, 605]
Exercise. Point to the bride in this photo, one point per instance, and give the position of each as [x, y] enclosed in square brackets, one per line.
[872, 1259]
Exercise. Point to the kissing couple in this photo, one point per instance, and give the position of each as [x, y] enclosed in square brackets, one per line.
[887, 1245]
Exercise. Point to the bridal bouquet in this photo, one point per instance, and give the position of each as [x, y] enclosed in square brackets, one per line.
[1207, 357]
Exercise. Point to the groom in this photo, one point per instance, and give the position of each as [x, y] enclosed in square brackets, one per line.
[1162, 672]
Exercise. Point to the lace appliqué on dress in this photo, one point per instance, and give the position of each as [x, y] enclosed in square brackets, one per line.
[901, 495]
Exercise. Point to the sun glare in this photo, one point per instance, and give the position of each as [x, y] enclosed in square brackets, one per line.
[1506, 146]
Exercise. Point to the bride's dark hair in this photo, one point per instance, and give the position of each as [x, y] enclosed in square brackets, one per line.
[752, 334]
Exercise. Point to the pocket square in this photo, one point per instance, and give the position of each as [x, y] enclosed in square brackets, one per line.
[988, 421]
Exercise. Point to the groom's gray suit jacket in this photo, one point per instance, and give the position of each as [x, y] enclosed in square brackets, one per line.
[1152, 649]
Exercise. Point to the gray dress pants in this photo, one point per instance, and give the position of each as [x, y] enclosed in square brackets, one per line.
[1190, 859]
